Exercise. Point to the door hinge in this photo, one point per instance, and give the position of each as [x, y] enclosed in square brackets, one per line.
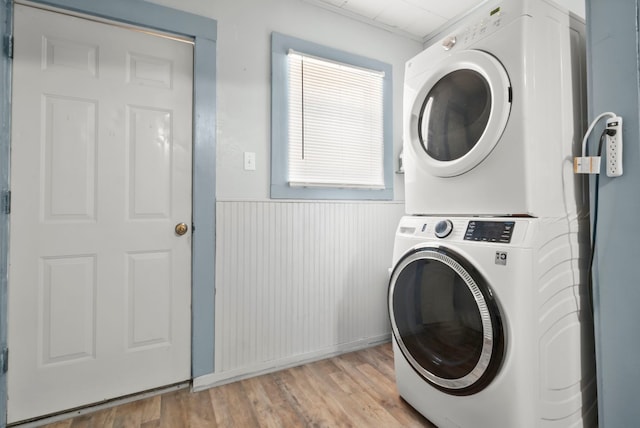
[5, 360]
[10, 46]
[6, 202]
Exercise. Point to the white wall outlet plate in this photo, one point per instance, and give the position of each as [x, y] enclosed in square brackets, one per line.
[249, 161]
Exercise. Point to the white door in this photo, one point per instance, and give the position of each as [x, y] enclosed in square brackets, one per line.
[99, 280]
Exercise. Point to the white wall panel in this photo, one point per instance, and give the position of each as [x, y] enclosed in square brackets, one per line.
[299, 279]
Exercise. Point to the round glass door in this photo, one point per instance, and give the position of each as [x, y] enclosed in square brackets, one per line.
[460, 112]
[454, 115]
[446, 321]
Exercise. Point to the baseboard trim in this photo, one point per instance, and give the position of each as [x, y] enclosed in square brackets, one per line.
[217, 379]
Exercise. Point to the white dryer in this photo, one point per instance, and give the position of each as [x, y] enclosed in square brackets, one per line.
[494, 111]
[491, 324]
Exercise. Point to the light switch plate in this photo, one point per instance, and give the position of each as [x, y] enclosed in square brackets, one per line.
[249, 161]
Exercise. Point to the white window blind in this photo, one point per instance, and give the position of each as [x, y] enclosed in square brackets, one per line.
[335, 124]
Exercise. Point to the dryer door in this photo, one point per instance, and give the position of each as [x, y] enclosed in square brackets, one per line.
[445, 320]
[459, 112]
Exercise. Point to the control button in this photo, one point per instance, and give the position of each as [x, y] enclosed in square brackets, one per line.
[443, 228]
[449, 42]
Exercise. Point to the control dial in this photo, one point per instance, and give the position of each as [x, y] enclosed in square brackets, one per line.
[443, 228]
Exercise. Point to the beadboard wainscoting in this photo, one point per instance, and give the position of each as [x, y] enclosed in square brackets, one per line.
[298, 281]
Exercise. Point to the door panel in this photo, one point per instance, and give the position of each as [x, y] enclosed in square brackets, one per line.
[99, 287]
[70, 139]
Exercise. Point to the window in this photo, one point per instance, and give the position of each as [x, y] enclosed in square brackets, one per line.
[331, 123]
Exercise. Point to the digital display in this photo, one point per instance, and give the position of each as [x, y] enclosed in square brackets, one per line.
[490, 231]
[494, 11]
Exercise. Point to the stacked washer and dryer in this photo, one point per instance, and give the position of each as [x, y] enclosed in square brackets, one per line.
[488, 295]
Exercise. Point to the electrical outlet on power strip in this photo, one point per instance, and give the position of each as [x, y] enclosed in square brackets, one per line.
[614, 146]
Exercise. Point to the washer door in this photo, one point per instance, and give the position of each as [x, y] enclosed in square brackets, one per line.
[459, 113]
[445, 320]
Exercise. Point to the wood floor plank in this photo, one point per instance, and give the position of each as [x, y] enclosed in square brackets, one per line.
[220, 408]
[81, 422]
[336, 402]
[378, 385]
[242, 411]
[104, 418]
[266, 412]
[200, 410]
[172, 409]
[304, 401]
[128, 415]
[61, 424]
[288, 414]
[375, 411]
[151, 409]
[387, 394]
[232, 407]
[351, 390]
[382, 361]
[378, 380]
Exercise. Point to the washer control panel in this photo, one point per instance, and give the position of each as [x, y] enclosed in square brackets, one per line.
[489, 231]
[479, 29]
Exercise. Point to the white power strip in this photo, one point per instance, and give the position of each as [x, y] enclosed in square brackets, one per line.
[614, 146]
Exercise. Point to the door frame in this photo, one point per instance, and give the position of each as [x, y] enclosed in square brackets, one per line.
[203, 31]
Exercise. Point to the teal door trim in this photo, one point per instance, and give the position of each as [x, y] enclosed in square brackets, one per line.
[6, 14]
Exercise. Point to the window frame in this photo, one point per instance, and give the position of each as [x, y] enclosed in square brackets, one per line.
[280, 188]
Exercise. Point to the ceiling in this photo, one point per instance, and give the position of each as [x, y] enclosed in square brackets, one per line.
[417, 19]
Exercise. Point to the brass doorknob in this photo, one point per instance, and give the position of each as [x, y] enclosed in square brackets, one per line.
[181, 228]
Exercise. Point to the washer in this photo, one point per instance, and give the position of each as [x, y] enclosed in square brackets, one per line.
[491, 325]
[494, 111]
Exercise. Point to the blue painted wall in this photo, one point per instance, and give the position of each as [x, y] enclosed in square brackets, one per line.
[613, 58]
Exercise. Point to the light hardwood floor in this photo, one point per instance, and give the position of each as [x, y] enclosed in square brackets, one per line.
[351, 390]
